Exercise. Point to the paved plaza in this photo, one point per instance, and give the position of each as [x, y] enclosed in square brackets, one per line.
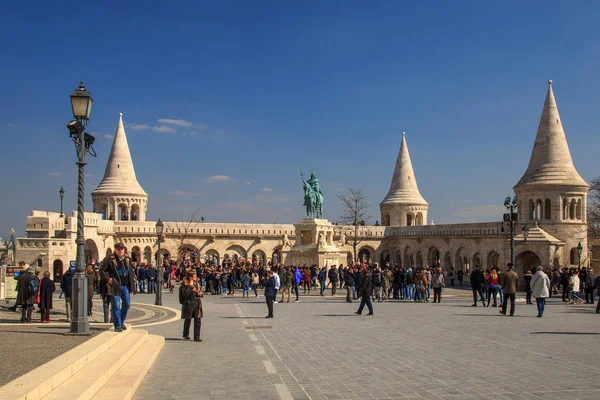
[319, 349]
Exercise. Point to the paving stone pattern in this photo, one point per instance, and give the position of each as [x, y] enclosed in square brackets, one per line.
[319, 349]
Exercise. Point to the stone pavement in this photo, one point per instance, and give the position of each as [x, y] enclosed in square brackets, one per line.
[319, 349]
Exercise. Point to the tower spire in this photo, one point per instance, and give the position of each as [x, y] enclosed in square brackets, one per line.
[551, 161]
[404, 189]
[119, 176]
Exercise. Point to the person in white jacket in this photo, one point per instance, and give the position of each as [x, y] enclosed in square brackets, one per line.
[540, 289]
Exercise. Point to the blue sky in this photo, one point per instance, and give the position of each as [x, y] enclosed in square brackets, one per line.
[267, 90]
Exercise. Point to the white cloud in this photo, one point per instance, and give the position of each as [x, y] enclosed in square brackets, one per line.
[109, 137]
[182, 193]
[177, 122]
[10, 125]
[90, 175]
[193, 133]
[248, 183]
[55, 173]
[163, 129]
[218, 178]
[267, 189]
[139, 127]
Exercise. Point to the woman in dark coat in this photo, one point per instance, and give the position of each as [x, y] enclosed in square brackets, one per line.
[47, 288]
[91, 277]
[190, 296]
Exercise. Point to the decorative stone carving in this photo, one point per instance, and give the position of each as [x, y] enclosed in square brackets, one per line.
[285, 240]
[321, 240]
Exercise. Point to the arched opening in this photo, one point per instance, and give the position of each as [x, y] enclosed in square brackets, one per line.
[525, 261]
[419, 260]
[349, 258]
[447, 261]
[565, 209]
[135, 212]
[122, 214]
[419, 219]
[410, 219]
[164, 255]
[433, 256]
[398, 259]
[556, 264]
[259, 257]
[212, 257]
[148, 255]
[459, 260]
[578, 210]
[276, 256]
[136, 254]
[493, 259]
[91, 251]
[103, 210]
[57, 270]
[547, 209]
[538, 209]
[531, 213]
[409, 260]
[572, 209]
[384, 258]
[237, 253]
[573, 256]
[477, 260]
[364, 255]
[188, 252]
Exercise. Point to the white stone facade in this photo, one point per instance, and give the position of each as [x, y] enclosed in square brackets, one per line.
[552, 203]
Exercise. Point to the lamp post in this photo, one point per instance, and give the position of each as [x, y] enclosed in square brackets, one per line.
[579, 249]
[61, 192]
[511, 217]
[14, 246]
[81, 104]
[159, 278]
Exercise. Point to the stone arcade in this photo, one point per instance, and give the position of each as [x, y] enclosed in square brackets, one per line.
[551, 201]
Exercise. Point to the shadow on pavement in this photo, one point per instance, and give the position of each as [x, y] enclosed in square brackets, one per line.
[566, 333]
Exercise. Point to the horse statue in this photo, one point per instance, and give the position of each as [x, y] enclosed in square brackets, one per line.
[313, 197]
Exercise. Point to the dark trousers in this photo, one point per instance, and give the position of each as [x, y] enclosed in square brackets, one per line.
[598, 306]
[565, 293]
[270, 301]
[508, 297]
[475, 293]
[365, 300]
[333, 287]
[197, 325]
[528, 297]
[295, 289]
[26, 310]
[589, 295]
[437, 294]
[348, 295]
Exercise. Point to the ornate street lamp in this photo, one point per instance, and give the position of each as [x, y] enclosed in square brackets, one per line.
[81, 104]
[159, 272]
[511, 217]
[579, 249]
[62, 195]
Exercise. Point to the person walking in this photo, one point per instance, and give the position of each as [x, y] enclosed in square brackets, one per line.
[377, 284]
[91, 276]
[365, 292]
[117, 271]
[510, 281]
[323, 280]
[271, 293]
[297, 280]
[246, 279]
[437, 283]
[476, 285]
[66, 285]
[47, 289]
[190, 296]
[28, 288]
[494, 285]
[288, 281]
[333, 279]
[540, 289]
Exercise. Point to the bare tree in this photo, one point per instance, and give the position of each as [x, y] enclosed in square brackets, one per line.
[593, 209]
[356, 215]
[183, 235]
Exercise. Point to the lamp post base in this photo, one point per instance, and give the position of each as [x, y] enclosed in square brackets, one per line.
[80, 324]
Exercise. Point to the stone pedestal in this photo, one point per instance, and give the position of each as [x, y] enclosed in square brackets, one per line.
[314, 245]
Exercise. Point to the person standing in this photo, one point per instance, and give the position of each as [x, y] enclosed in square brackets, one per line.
[333, 279]
[377, 284]
[29, 286]
[365, 292]
[66, 285]
[91, 276]
[540, 289]
[190, 296]
[527, 276]
[277, 282]
[437, 283]
[117, 270]
[476, 285]
[47, 288]
[350, 282]
[151, 273]
[288, 281]
[323, 280]
[297, 280]
[590, 284]
[270, 293]
[510, 279]
[598, 294]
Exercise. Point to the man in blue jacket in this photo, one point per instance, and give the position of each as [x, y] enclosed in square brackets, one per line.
[270, 293]
[297, 280]
[66, 285]
[151, 273]
[142, 278]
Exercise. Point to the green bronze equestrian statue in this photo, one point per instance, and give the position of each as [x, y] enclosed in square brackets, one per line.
[313, 197]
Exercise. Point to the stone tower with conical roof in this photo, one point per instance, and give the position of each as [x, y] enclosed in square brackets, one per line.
[403, 205]
[119, 196]
[551, 193]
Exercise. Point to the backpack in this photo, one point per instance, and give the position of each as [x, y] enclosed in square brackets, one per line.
[32, 288]
[377, 280]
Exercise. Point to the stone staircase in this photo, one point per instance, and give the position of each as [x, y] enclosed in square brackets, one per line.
[110, 365]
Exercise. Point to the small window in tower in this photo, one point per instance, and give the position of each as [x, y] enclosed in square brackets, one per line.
[118, 165]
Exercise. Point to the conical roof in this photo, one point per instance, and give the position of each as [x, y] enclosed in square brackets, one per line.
[550, 162]
[119, 176]
[404, 189]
